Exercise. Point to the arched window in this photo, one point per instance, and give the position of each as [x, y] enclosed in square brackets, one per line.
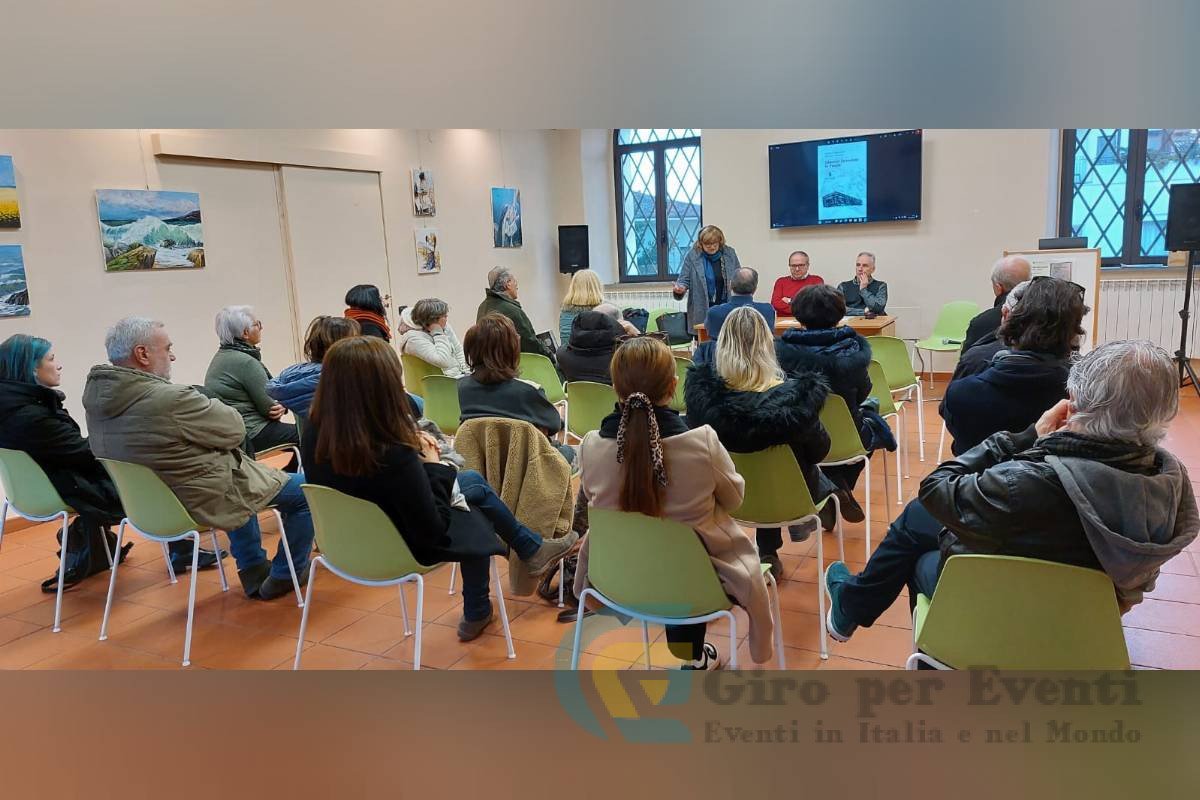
[658, 199]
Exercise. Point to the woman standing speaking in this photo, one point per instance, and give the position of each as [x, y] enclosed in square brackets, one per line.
[705, 274]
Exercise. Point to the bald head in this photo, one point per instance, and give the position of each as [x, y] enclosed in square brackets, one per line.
[744, 281]
[1008, 272]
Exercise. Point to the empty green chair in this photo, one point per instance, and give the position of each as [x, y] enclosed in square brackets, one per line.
[892, 355]
[441, 402]
[682, 365]
[776, 497]
[888, 408]
[360, 544]
[541, 371]
[1015, 613]
[657, 570]
[587, 404]
[29, 494]
[416, 370]
[949, 330]
[846, 447]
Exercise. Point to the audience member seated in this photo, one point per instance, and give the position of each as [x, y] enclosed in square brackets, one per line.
[237, 377]
[790, 285]
[979, 357]
[843, 358]
[364, 443]
[494, 388]
[585, 293]
[742, 287]
[135, 414]
[1006, 274]
[502, 299]
[1028, 377]
[433, 340]
[1086, 485]
[365, 306]
[624, 466]
[296, 385]
[864, 294]
[33, 420]
[587, 354]
[751, 405]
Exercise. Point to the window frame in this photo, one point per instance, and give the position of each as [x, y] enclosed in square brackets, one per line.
[1135, 191]
[662, 237]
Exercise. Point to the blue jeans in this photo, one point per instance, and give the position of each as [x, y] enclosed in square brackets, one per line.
[523, 541]
[246, 542]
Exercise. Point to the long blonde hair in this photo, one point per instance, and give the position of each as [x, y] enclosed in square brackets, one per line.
[745, 357]
[585, 290]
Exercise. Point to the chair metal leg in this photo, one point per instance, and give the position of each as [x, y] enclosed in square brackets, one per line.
[112, 584]
[3, 519]
[170, 567]
[562, 580]
[420, 625]
[902, 447]
[107, 552]
[404, 612]
[941, 441]
[287, 552]
[899, 469]
[220, 561]
[453, 573]
[887, 494]
[646, 642]
[583, 596]
[187, 636]
[312, 580]
[773, 591]
[821, 592]
[921, 420]
[868, 471]
[733, 648]
[62, 573]
[503, 611]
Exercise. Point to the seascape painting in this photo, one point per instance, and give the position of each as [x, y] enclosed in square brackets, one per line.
[143, 230]
[10, 211]
[506, 217]
[14, 291]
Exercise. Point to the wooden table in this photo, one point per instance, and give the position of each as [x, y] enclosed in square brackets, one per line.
[882, 325]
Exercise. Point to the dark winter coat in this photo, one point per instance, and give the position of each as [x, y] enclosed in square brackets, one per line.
[984, 323]
[839, 354]
[588, 353]
[32, 419]
[498, 303]
[746, 422]
[1015, 389]
[512, 399]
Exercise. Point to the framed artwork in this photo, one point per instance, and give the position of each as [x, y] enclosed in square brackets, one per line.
[506, 217]
[10, 211]
[424, 204]
[143, 230]
[14, 291]
[429, 257]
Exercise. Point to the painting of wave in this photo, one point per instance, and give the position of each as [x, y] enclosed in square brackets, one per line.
[143, 230]
[14, 293]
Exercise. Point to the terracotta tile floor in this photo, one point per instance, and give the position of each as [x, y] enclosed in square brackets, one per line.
[353, 627]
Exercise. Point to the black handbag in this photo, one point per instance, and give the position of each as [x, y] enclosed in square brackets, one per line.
[638, 317]
[674, 325]
[85, 554]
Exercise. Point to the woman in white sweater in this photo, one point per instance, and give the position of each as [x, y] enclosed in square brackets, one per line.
[433, 340]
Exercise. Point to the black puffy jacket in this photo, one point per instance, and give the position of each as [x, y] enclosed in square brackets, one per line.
[588, 354]
[839, 354]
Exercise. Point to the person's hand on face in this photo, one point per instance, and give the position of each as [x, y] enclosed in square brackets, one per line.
[1055, 419]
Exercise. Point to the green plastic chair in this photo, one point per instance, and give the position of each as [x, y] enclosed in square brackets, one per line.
[441, 402]
[776, 497]
[541, 371]
[587, 404]
[281, 448]
[360, 544]
[656, 570]
[682, 365]
[30, 494]
[416, 370]
[887, 409]
[892, 355]
[949, 330]
[153, 511]
[1019, 614]
[845, 447]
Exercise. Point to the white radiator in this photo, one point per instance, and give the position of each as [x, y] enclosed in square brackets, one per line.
[1146, 308]
[648, 298]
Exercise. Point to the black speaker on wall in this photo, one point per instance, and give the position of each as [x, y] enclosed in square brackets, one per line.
[1183, 217]
[572, 248]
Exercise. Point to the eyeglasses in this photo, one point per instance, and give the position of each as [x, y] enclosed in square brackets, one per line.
[660, 335]
[1082, 291]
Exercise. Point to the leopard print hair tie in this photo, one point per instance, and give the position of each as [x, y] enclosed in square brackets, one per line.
[640, 402]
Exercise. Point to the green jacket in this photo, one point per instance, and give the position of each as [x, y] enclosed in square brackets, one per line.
[236, 376]
[190, 441]
[497, 303]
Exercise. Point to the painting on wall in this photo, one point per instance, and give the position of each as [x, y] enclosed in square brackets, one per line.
[424, 204]
[429, 257]
[14, 291]
[506, 217]
[142, 230]
[10, 212]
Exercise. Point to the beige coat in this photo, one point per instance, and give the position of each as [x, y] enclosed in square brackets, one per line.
[190, 441]
[531, 477]
[704, 487]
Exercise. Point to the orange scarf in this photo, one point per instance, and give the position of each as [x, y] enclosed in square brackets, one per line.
[359, 315]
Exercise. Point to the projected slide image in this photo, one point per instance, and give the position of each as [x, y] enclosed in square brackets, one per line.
[842, 181]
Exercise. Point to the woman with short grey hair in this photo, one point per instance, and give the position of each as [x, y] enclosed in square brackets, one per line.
[237, 377]
[433, 340]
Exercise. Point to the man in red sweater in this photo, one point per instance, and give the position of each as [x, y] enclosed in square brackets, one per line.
[789, 286]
